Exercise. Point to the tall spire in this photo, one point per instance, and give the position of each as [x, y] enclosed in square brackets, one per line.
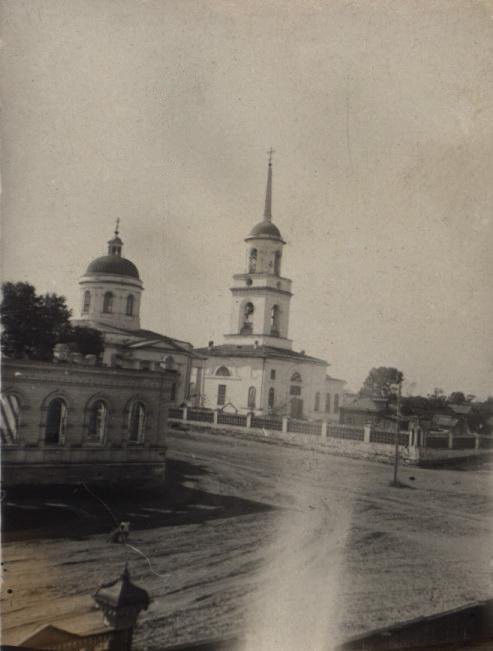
[268, 192]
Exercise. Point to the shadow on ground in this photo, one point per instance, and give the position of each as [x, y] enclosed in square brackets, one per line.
[75, 512]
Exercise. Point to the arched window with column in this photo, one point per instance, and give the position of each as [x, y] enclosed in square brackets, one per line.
[98, 417]
[274, 321]
[87, 302]
[277, 263]
[130, 305]
[136, 422]
[252, 261]
[9, 418]
[252, 396]
[108, 303]
[247, 324]
[56, 422]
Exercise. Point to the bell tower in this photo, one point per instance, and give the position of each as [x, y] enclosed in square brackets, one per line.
[261, 296]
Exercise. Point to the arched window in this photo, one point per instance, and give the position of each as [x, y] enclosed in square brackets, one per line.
[87, 301]
[9, 418]
[295, 389]
[56, 422]
[169, 362]
[221, 394]
[274, 321]
[252, 261]
[252, 395]
[272, 397]
[336, 403]
[317, 402]
[247, 327]
[223, 371]
[130, 305]
[277, 263]
[327, 403]
[108, 303]
[98, 417]
[136, 422]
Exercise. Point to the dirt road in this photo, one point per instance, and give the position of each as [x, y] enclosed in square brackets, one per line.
[286, 546]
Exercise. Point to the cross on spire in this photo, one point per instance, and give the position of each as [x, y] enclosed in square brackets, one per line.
[270, 152]
[117, 226]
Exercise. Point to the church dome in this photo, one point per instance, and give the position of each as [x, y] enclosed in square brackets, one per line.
[113, 264]
[265, 229]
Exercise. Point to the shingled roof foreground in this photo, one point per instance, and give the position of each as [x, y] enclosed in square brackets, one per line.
[263, 352]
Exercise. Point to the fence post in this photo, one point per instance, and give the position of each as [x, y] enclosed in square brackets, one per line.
[285, 424]
[366, 433]
[249, 420]
[185, 413]
[450, 441]
[214, 422]
[323, 431]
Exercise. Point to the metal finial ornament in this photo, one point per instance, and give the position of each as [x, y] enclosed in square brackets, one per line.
[117, 226]
[270, 152]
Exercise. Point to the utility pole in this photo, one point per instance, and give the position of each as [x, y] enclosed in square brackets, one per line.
[398, 415]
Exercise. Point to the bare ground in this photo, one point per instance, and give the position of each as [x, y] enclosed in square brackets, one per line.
[283, 546]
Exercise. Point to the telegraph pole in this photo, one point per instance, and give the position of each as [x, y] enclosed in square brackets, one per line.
[398, 415]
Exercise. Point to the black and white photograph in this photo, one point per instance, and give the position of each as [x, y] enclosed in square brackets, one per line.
[246, 325]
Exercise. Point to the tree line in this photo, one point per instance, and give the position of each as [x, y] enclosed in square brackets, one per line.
[381, 382]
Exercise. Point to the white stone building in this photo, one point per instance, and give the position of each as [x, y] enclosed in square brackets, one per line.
[111, 292]
[256, 370]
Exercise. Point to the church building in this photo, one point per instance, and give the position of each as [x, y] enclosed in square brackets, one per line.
[256, 369]
[111, 293]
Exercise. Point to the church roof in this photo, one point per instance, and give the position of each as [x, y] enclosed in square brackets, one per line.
[113, 264]
[231, 350]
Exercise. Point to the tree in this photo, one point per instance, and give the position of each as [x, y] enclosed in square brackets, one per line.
[457, 398]
[379, 381]
[87, 340]
[32, 324]
[20, 313]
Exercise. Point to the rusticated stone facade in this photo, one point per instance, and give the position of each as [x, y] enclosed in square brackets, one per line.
[68, 423]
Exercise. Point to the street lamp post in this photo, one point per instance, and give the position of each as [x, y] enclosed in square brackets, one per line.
[398, 427]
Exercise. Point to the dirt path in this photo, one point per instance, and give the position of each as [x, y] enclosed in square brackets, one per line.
[271, 541]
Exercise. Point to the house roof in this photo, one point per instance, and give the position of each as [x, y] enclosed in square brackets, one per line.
[461, 410]
[444, 420]
[335, 379]
[229, 350]
[370, 405]
[46, 636]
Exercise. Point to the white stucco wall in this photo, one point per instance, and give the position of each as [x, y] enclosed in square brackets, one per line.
[247, 372]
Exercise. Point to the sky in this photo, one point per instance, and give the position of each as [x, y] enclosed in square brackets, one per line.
[160, 113]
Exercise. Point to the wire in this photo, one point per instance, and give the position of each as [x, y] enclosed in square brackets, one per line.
[162, 576]
[116, 521]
